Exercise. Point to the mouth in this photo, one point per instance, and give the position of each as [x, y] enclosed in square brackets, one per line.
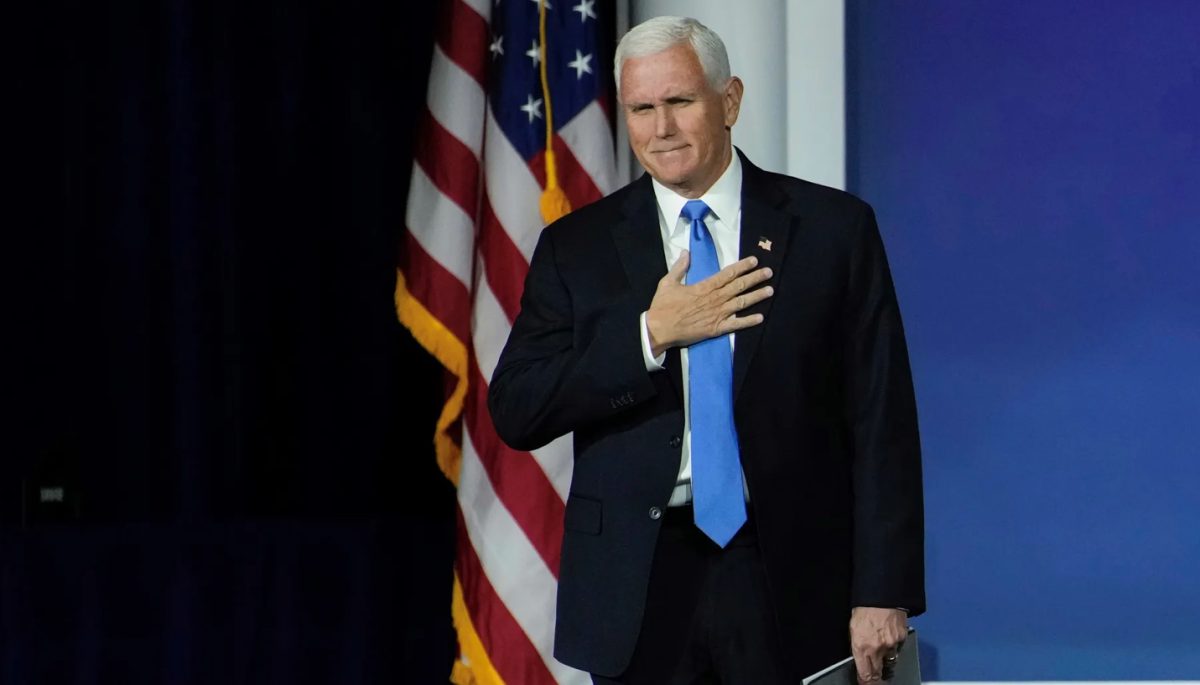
[663, 152]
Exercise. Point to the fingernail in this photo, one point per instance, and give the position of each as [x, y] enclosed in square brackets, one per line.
[770, 291]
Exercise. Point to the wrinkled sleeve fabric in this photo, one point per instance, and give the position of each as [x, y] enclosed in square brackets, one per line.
[562, 370]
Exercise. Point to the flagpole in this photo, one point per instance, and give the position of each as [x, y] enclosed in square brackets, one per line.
[627, 167]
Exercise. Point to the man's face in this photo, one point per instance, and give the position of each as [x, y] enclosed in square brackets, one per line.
[676, 120]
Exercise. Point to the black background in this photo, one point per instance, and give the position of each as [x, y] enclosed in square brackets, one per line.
[204, 354]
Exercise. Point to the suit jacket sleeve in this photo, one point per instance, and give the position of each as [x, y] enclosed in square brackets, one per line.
[881, 413]
[574, 357]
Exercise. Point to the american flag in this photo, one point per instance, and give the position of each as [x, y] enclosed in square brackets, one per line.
[481, 168]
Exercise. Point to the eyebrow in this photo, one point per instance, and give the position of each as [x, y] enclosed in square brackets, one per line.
[672, 100]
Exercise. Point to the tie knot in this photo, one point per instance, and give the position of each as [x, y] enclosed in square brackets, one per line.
[694, 210]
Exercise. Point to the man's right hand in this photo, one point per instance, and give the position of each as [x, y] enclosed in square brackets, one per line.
[680, 315]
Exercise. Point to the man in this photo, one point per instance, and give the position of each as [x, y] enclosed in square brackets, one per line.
[746, 501]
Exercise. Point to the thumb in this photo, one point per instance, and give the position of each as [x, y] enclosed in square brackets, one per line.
[679, 269]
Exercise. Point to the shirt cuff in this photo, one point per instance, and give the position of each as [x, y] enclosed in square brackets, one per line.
[652, 363]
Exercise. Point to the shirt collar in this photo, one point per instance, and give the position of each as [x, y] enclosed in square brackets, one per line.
[724, 197]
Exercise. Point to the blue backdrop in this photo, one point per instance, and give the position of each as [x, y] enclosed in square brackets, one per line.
[1036, 171]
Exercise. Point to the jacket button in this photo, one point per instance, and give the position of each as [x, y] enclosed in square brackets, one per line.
[675, 441]
[655, 513]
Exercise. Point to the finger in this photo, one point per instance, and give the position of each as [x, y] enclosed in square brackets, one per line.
[862, 667]
[737, 323]
[759, 276]
[890, 658]
[743, 283]
[731, 272]
[749, 299]
[868, 671]
[875, 661]
[894, 639]
[741, 266]
[749, 280]
[872, 653]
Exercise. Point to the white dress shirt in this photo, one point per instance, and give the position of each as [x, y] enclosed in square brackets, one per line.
[724, 222]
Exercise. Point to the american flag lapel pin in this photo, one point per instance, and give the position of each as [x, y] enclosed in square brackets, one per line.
[764, 243]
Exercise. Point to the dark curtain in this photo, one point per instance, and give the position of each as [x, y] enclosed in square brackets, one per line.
[219, 465]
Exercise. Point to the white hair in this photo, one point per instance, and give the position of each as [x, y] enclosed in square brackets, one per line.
[663, 33]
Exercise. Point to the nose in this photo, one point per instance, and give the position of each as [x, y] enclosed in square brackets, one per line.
[664, 122]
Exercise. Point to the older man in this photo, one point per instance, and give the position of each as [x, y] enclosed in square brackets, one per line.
[726, 345]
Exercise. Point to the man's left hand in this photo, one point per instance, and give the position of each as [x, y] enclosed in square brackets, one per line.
[876, 634]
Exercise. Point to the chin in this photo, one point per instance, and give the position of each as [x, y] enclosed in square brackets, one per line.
[673, 176]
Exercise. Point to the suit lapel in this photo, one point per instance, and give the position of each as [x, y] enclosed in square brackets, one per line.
[640, 248]
[764, 234]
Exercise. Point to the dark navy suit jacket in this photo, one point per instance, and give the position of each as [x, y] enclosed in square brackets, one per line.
[823, 404]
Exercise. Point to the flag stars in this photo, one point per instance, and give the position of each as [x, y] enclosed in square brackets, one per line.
[534, 53]
[536, 2]
[497, 47]
[532, 107]
[586, 10]
[581, 64]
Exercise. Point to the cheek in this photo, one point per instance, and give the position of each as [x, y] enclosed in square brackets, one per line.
[698, 130]
[639, 135]
[639, 126]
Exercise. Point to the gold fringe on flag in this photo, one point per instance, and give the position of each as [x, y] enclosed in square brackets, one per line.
[452, 353]
[478, 669]
[473, 667]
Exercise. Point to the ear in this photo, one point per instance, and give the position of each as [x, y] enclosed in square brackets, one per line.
[731, 99]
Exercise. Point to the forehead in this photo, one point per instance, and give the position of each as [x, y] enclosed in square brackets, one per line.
[673, 71]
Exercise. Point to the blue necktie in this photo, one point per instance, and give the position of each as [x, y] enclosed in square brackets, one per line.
[720, 507]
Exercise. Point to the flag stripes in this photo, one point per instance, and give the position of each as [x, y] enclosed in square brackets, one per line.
[472, 223]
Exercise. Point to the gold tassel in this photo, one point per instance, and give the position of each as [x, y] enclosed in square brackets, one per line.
[553, 203]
